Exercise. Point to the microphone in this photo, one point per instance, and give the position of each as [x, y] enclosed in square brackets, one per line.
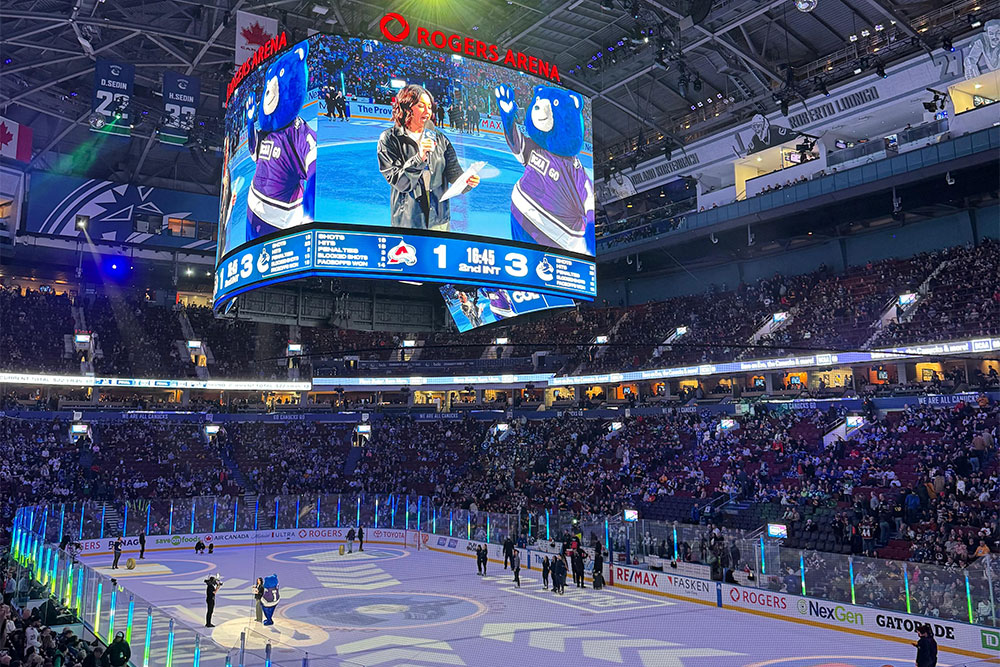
[430, 132]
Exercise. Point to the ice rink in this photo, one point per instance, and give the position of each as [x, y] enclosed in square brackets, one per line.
[392, 606]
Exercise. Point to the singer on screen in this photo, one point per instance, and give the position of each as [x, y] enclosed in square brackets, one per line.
[418, 162]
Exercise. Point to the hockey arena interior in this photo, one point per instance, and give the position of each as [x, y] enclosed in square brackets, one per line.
[357, 333]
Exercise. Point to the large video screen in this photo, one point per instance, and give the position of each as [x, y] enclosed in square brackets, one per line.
[362, 158]
[471, 307]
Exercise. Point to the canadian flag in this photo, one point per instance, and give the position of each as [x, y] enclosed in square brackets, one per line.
[15, 140]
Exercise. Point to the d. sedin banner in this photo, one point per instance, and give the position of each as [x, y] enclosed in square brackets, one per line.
[181, 95]
[448, 161]
[113, 82]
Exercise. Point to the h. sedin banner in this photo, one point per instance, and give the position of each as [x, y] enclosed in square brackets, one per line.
[181, 95]
[113, 82]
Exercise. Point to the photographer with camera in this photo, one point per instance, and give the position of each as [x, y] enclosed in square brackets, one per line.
[212, 586]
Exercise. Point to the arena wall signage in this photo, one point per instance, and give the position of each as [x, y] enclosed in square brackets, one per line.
[270, 48]
[395, 28]
[905, 83]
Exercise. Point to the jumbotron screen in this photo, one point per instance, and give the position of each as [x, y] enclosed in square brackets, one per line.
[359, 158]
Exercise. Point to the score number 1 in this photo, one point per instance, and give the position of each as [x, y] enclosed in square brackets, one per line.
[516, 263]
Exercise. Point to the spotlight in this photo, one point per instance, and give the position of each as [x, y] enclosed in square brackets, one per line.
[81, 222]
[946, 44]
[879, 27]
[696, 84]
[821, 87]
[866, 32]
[784, 107]
[853, 38]
[682, 86]
[975, 21]
[880, 70]
[806, 5]
[857, 68]
[930, 107]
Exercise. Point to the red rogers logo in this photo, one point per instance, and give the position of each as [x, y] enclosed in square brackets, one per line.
[758, 599]
[384, 24]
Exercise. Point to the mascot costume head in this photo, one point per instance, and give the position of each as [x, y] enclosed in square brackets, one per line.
[283, 191]
[553, 202]
[270, 599]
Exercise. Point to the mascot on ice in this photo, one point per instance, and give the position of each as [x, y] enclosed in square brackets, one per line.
[553, 202]
[283, 191]
[270, 599]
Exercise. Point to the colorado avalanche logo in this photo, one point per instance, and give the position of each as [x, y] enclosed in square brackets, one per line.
[403, 253]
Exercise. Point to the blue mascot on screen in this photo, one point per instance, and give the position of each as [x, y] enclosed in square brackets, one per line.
[553, 202]
[270, 598]
[283, 191]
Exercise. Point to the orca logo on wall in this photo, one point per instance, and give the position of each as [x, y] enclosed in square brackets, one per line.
[182, 84]
[116, 70]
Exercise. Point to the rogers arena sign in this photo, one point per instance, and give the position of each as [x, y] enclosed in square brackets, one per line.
[271, 47]
[395, 28]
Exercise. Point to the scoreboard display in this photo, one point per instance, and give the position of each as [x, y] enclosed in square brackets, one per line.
[348, 157]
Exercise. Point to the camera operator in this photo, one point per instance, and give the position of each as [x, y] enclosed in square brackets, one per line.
[212, 585]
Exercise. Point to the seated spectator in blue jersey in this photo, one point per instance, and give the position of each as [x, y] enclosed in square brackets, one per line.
[419, 163]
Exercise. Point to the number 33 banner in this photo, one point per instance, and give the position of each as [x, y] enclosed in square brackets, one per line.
[180, 104]
[112, 93]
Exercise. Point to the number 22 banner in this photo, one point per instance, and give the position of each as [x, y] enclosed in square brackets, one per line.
[180, 103]
[113, 84]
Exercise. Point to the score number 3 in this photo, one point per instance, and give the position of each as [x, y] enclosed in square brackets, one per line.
[517, 264]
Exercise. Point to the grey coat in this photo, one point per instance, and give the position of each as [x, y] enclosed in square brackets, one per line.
[412, 205]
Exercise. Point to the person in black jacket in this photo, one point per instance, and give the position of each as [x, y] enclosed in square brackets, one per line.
[350, 541]
[212, 586]
[546, 567]
[361, 538]
[926, 647]
[418, 162]
[119, 543]
[142, 545]
[119, 651]
[508, 551]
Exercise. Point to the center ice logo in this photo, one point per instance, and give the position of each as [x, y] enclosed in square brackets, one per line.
[403, 253]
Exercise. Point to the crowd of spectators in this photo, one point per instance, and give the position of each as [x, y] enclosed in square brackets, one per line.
[26, 640]
[33, 332]
[239, 348]
[135, 338]
[963, 301]
[921, 484]
[294, 457]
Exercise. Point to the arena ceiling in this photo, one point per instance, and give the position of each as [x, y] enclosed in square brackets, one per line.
[645, 62]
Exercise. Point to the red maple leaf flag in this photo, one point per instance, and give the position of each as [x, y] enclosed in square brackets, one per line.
[252, 32]
[255, 35]
[15, 140]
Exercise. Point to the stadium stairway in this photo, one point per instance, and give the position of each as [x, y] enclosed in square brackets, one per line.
[235, 474]
[353, 458]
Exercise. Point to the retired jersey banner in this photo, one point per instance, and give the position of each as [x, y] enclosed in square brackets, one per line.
[113, 83]
[15, 140]
[181, 95]
[252, 32]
